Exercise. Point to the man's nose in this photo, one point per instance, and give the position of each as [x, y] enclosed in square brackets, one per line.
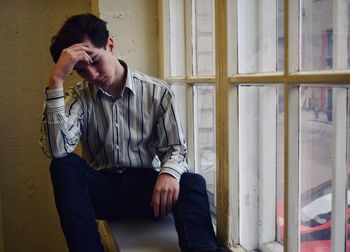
[93, 73]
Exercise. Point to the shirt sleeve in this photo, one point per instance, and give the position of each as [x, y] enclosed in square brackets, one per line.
[61, 122]
[172, 143]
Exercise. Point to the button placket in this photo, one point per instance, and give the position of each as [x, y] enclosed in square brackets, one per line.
[116, 146]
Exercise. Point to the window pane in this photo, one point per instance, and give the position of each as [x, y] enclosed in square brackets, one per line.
[203, 37]
[280, 35]
[348, 171]
[204, 136]
[324, 35]
[181, 102]
[316, 160]
[280, 164]
[173, 38]
[260, 115]
[260, 35]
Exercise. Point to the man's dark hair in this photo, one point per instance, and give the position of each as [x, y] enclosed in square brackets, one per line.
[75, 30]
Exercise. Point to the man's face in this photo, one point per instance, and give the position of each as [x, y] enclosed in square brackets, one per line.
[101, 72]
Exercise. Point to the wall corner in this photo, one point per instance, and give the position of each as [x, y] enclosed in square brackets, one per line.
[95, 7]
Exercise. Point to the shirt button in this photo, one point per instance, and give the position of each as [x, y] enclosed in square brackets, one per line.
[116, 125]
[116, 147]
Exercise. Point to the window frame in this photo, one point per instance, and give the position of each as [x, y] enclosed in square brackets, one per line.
[226, 86]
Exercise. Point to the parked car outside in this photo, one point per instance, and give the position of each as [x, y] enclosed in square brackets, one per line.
[315, 219]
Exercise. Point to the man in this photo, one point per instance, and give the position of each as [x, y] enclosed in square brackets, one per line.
[133, 149]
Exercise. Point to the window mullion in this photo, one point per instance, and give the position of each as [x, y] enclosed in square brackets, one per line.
[221, 121]
[233, 151]
[292, 173]
[339, 181]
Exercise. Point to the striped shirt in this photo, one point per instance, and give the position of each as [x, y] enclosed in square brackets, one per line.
[139, 129]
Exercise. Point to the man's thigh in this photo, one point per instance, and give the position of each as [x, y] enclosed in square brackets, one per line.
[105, 193]
[129, 194]
[137, 189]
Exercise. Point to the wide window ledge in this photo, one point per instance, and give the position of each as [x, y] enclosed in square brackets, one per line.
[267, 247]
[272, 247]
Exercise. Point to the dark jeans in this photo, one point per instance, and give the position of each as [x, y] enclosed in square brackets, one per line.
[83, 194]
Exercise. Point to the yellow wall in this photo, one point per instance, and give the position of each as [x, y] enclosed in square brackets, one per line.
[28, 218]
[133, 24]
[1, 227]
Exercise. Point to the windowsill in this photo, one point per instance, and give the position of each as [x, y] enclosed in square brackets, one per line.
[145, 235]
[268, 247]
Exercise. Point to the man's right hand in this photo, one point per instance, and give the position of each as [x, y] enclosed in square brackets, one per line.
[69, 57]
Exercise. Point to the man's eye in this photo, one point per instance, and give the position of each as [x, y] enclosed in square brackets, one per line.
[80, 71]
[95, 62]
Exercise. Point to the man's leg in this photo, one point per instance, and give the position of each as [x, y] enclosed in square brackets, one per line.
[82, 195]
[192, 215]
[137, 187]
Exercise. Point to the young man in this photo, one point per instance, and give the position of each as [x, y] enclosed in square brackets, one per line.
[133, 149]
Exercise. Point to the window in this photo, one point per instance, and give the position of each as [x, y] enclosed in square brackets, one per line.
[188, 58]
[266, 88]
[204, 137]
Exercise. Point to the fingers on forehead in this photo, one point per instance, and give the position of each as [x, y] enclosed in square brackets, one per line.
[85, 46]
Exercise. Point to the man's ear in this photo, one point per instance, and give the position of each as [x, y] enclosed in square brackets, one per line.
[110, 44]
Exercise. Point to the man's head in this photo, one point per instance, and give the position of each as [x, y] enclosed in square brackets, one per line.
[77, 29]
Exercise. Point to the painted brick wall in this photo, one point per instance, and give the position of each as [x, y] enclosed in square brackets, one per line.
[133, 24]
[28, 215]
[29, 218]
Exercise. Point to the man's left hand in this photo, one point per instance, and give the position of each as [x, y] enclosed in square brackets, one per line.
[165, 194]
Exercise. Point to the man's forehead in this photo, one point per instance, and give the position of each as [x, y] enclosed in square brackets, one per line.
[81, 65]
[88, 43]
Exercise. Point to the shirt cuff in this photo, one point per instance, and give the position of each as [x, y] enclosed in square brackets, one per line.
[172, 170]
[54, 100]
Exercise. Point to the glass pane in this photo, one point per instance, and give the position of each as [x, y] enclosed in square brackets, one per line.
[280, 163]
[260, 36]
[260, 170]
[181, 102]
[204, 136]
[324, 35]
[316, 160]
[203, 37]
[280, 35]
[174, 38]
[348, 170]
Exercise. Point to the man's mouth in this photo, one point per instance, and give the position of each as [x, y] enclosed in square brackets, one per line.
[101, 80]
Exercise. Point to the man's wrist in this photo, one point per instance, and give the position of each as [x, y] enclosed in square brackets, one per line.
[55, 82]
[170, 172]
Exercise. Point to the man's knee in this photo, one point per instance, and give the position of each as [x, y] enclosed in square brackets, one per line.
[193, 180]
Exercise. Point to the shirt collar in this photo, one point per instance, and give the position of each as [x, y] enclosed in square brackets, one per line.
[129, 78]
[129, 84]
